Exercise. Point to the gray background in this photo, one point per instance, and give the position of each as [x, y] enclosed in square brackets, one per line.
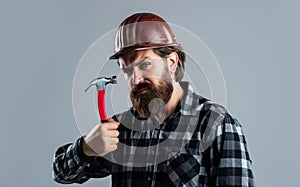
[41, 43]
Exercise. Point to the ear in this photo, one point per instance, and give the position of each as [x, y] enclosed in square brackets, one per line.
[172, 61]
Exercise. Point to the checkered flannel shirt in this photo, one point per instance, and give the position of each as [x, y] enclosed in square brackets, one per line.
[214, 152]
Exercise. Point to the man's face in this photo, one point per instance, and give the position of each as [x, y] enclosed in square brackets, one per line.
[148, 77]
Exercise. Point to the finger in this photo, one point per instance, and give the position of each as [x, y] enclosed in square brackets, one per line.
[113, 147]
[110, 120]
[111, 125]
[114, 141]
[112, 133]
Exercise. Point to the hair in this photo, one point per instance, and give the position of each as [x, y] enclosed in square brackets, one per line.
[165, 51]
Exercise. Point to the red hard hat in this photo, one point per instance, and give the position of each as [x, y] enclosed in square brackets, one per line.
[143, 31]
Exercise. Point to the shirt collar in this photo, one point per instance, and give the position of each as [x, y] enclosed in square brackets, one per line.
[190, 100]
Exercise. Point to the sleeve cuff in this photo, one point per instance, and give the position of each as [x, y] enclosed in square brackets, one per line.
[79, 149]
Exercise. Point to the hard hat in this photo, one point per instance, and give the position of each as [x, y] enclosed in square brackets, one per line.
[143, 31]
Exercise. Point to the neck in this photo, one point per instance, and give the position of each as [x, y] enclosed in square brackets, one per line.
[174, 100]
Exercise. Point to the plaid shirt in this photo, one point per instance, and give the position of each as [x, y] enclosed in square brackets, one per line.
[212, 153]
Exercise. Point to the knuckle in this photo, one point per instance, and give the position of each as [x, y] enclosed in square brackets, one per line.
[116, 123]
[113, 126]
[106, 148]
[103, 137]
[101, 127]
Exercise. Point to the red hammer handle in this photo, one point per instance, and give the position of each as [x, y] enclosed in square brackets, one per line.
[101, 106]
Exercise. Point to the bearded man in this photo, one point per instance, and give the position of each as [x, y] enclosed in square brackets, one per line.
[171, 136]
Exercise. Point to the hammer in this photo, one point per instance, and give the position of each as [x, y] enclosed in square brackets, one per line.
[101, 83]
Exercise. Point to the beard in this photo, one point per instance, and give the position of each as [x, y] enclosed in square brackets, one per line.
[154, 97]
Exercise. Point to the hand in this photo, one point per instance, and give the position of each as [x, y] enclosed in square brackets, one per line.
[102, 139]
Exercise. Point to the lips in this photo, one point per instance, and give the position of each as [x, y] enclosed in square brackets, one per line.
[142, 88]
[142, 91]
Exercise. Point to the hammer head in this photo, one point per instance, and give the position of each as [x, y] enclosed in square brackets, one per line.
[101, 82]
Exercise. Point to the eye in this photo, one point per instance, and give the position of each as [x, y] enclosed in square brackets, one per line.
[144, 65]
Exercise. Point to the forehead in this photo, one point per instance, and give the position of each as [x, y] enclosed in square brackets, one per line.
[136, 56]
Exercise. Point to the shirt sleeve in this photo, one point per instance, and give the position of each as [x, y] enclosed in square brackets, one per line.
[234, 167]
[71, 165]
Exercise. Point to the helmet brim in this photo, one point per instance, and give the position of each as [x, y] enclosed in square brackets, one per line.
[140, 47]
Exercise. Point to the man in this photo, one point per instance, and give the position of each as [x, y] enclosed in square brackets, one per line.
[171, 136]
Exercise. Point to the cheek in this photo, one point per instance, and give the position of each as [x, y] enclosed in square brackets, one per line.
[155, 73]
[163, 73]
[128, 80]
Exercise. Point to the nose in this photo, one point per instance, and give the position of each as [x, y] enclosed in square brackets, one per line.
[137, 77]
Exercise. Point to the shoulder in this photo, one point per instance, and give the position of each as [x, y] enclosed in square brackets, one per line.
[210, 109]
[215, 116]
[210, 106]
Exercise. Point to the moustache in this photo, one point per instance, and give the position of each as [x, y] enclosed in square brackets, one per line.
[141, 86]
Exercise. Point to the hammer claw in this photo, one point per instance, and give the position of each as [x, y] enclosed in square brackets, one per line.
[101, 82]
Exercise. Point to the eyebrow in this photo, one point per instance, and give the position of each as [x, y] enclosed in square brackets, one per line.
[137, 63]
[141, 61]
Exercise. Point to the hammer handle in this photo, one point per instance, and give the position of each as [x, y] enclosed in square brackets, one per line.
[101, 106]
